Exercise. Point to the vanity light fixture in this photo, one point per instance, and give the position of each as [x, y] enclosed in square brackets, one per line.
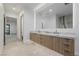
[66, 3]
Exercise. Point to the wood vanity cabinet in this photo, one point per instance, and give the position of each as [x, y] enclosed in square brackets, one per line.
[61, 50]
[32, 36]
[68, 47]
[64, 46]
[57, 44]
[52, 42]
[44, 40]
[35, 37]
[47, 41]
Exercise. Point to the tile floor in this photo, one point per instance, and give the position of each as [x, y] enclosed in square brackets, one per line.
[31, 48]
[10, 38]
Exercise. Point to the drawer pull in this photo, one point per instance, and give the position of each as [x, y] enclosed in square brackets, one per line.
[67, 40]
[66, 51]
[67, 45]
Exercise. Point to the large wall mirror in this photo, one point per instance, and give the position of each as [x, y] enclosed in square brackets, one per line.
[56, 15]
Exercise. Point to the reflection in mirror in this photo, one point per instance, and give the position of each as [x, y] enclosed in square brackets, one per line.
[7, 29]
[64, 22]
[65, 18]
[56, 15]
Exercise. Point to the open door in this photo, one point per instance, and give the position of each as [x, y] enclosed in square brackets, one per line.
[22, 18]
[4, 43]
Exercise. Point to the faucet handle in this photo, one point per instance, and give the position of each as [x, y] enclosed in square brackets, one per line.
[56, 30]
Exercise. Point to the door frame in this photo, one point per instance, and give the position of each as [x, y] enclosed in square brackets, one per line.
[4, 41]
[21, 25]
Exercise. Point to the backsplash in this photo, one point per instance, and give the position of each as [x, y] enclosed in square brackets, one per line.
[63, 31]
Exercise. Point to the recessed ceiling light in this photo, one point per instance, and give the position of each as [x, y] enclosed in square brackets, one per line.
[50, 10]
[14, 8]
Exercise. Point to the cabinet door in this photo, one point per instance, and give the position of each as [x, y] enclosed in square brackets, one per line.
[37, 39]
[32, 36]
[47, 41]
[52, 42]
[57, 44]
[43, 40]
[61, 50]
[68, 47]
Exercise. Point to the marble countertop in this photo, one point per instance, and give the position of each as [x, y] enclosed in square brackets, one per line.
[70, 36]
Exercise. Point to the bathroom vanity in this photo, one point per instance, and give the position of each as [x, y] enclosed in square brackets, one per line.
[58, 16]
[56, 42]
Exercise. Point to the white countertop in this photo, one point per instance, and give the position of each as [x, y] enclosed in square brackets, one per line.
[71, 36]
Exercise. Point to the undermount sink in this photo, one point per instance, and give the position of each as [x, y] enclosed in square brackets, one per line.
[48, 32]
[43, 31]
[56, 33]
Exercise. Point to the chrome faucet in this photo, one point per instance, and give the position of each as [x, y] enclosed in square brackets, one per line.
[56, 32]
[42, 25]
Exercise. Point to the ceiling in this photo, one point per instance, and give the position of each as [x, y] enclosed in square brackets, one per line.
[18, 6]
[11, 20]
[57, 8]
[60, 9]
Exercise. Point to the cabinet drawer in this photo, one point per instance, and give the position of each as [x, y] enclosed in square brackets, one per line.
[44, 40]
[68, 41]
[68, 53]
[68, 47]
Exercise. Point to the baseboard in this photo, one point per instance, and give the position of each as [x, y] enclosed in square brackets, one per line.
[76, 54]
[1, 46]
[26, 41]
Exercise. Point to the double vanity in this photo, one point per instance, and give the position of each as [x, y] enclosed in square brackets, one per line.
[58, 16]
[61, 43]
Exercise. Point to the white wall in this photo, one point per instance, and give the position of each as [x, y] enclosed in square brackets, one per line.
[10, 14]
[18, 27]
[19, 21]
[76, 26]
[1, 25]
[28, 23]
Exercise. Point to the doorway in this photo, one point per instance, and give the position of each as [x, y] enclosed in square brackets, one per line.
[21, 26]
[10, 29]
